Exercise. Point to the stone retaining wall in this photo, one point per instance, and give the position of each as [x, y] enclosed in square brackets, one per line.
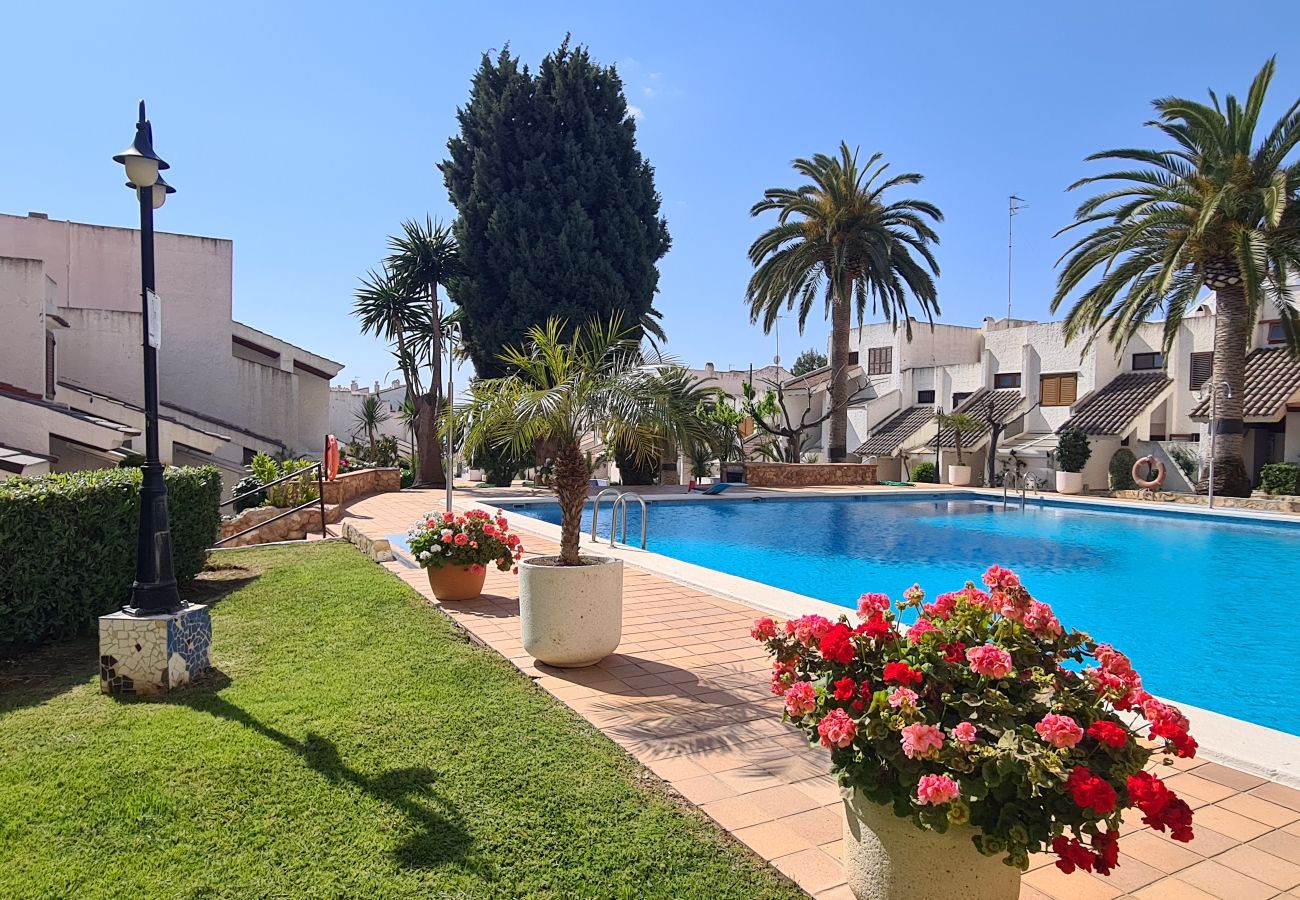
[808, 474]
[362, 483]
[291, 528]
[1264, 504]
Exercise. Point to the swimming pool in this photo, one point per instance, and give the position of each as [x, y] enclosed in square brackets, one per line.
[1205, 606]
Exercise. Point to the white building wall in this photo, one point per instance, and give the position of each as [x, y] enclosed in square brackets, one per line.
[22, 310]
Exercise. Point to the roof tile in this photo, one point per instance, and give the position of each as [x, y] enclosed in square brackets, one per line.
[1113, 409]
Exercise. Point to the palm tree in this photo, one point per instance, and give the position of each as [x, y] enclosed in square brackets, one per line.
[837, 236]
[372, 414]
[423, 258]
[561, 389]
[1216, 210]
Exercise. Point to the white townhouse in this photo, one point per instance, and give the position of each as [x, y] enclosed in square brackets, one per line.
[71, 358]
[1026, 376]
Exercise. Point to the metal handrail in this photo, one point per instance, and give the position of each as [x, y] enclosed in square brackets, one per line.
[595, 509]
[620, 503]
[320, 499]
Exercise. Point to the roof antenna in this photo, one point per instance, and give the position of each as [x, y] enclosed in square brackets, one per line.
[1014, 205]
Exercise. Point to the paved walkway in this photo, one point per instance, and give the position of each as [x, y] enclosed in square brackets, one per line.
[687, 695]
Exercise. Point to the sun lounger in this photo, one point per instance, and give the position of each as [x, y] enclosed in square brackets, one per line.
[721, 486]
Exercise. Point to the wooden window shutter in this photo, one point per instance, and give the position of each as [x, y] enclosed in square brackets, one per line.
[1069, 389]
[49, 365]
[1202, 367]
[1050, 390]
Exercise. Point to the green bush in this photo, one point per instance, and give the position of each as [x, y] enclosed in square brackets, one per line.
[1121, 470]
[67, 544]
[1280, 478]
[1072, 450]
[286, 494]
[926, 472]
[246, 484]
[1188, 460]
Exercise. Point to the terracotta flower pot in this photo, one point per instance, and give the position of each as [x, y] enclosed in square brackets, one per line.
[456, 582]
[888, 858]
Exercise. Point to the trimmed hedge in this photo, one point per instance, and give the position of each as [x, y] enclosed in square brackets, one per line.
[1280, 478]
[67, 544]
[1121, 470]
[925, 472]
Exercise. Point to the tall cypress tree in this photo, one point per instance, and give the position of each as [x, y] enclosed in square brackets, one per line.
[557, 210]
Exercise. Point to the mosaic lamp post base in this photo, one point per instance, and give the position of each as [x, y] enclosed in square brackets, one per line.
[153, 654]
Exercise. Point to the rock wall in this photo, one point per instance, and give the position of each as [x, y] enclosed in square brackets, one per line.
[1264, 504]
[362, 483]
[291, 528]
[809, 474]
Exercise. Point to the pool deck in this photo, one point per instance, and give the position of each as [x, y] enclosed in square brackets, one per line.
[686, 694]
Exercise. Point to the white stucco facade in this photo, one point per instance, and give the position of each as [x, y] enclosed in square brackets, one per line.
[70, 297]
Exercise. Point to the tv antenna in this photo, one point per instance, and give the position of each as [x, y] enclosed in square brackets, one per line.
[1014, 205]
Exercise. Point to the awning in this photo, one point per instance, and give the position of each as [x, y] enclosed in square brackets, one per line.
[1272, 381]
[894, 431]
[1116, 408]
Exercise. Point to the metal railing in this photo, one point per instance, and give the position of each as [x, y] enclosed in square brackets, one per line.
[319, 499]
[595, 509]
[620, 506]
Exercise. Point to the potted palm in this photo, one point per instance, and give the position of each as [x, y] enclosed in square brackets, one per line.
[960, 425]
[1072, 452]
[562, 388]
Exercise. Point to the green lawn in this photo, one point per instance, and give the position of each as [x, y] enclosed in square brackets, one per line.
[352, 744]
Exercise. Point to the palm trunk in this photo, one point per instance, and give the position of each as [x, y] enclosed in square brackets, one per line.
[571, 489]
[841, 324]
[1228, 382]
[430, 472]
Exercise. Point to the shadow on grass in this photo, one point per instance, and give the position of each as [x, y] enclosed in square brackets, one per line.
[439, 836]
[34, 674]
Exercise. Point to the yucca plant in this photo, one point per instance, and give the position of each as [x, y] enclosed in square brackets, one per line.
[1216, 209]
[369, 417]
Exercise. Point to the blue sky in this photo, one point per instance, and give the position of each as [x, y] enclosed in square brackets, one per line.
[306, 133]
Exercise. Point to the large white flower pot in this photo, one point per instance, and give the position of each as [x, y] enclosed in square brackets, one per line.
[1069, 482]
[888, 858]
[959, 475]
[571, 616]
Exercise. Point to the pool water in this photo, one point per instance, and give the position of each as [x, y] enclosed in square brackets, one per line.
[1206, 607]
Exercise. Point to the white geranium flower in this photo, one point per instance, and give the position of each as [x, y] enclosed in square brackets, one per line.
[436, 548]
[424, 555]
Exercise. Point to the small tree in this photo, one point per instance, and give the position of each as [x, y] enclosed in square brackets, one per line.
[959, 424]
[808, 361]
[561, 389]
[772, 415]
[1072, 450]
[372, 414]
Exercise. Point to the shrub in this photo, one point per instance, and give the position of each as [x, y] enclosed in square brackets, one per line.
[984, 712]
[407, 476]
[289, 493]
[1188, 460]
[1280, 478]
[67, 544]
[1121, 470]
[926, 472]
[246, 484]
[1072, 450]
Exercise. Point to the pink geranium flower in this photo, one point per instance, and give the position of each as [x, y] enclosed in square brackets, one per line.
[1059, 731]
[990, 660]
[870, 604]
[964, 733]
[764, 629]
[921, 740]
[935, 790]
[800, 699]
[837, 729]
[902, 697]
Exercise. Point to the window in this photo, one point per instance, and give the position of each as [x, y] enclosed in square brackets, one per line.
[959, 398]
[853, 357]
[1007, 380]
[880, 360]
[1058, 390]
[1145, 361]
[1275, 333]
[1202, 366]
[49, 365]
[924, 398]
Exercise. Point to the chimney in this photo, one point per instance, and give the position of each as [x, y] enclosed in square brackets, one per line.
[38, 215]
[355, 386]
[708, 367]
[376, 387]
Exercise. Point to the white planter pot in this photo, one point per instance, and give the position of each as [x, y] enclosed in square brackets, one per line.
[474, 475]
[959, 475]
[888, 858]
[1069, 482]
[571, 616]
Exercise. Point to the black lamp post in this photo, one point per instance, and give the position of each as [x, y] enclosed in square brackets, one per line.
[154, 590]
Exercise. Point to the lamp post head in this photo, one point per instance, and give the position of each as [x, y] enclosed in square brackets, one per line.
[159, 191]
[142, 163]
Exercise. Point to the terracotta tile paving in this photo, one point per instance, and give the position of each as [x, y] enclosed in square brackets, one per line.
[686, 694]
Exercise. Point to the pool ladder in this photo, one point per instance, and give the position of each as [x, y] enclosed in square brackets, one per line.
[1021, 482]
[618, 506]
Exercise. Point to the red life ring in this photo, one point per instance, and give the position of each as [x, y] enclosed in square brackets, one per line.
[1154, 484]
[331, 457]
